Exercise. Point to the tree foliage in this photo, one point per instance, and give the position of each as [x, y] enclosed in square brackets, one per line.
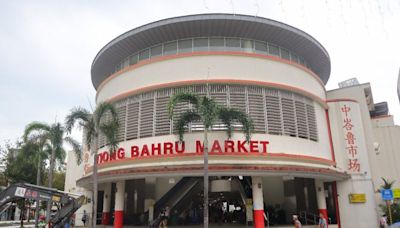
[387, 184]
[395, 209]
[20, 163]
[93, 124]
[207, 111]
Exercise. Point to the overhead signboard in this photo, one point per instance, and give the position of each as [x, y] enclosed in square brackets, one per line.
[396, 193]
[387, 194]
[357, 198]
[20, 192]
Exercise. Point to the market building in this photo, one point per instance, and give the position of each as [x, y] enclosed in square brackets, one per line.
[312, 151]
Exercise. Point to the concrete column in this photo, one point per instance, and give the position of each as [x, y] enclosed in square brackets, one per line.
[119, 205]
[105, 219]
[319, 189]
[17, 214]
[258, 202]
[150, 187]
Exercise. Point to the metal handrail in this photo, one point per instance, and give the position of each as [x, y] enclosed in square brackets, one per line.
[305, 215]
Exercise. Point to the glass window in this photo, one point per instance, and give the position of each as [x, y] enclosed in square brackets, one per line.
[261, 47]
[133, 59]
[144, 55]
[302, 62]
[125, 63]
[232, 44]
[156, 51]
[285, 54]
[247, 45]
[118, 67]
[217, 44]
[170, 48]
[185, 45]
[295, 58]
[200, 44]
[273, 49]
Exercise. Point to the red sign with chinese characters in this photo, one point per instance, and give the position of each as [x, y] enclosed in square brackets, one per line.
[353, 162]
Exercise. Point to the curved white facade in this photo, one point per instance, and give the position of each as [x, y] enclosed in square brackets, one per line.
[298, 149]
[212, 66]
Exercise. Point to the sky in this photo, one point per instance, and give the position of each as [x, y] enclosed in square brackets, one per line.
[47, 47]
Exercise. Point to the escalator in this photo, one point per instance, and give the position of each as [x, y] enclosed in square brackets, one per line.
[175, 194]
[66, 203]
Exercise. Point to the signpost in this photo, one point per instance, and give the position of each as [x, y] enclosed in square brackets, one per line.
[387, 195]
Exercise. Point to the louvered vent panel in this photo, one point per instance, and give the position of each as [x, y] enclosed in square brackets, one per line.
[312, 123]
[277, 111]
[219, 94]
[273, 115]
[256, 111]
[102, 137]
[238, 101]
[180, 108]
[146, 117]
[162, 121]
[132, 121]
[200, 91]
[288, 113]
[301, 117]
[121, 113]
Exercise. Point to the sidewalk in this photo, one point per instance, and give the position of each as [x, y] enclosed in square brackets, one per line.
[210, 226]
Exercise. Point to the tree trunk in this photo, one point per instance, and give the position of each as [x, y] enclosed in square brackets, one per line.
[49, 204]
[21, 215]
[37, 209]
[205, 143]
[94, 193]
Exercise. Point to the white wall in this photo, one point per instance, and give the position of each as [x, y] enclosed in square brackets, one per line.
[216, 67]
[357, 214]
[280, 145]
[73, 173]
[362, 214]
[386, 160]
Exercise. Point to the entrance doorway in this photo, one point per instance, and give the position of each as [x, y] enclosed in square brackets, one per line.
[226, 208]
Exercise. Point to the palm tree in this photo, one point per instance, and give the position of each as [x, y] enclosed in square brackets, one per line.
[93, 124]
[207, 111]
[40, 140]
[54, 135]
[387, 185]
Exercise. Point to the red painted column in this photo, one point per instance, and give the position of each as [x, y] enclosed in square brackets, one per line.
[105, 219]
[119, 205]
[321, 201]
[258, 202]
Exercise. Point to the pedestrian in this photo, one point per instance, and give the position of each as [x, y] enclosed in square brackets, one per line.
[322, 221]
[383, 221]
[164, 217]
[84, 217]
[296, 222]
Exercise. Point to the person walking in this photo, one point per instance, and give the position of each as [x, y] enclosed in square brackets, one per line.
[322, 221]
[84, 217]
[164, 217]
[296, 221]
[383, 221]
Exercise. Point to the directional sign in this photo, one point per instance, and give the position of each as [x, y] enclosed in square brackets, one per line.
[20, 192]
[387, 194]
[396, 193]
